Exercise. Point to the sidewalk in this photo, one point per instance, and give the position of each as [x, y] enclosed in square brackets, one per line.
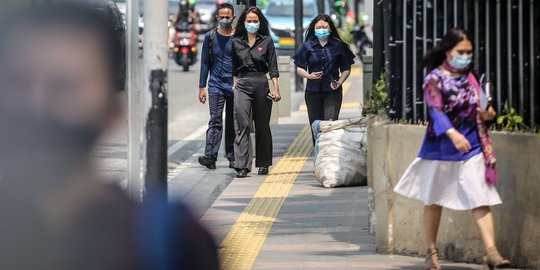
[286, 220]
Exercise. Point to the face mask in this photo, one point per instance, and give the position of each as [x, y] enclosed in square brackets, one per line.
[461, 61]
[225, 23]
[322, 34]
[252, 27]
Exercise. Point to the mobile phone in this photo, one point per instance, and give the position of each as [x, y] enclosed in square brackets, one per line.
[485, 96]
[270, 96]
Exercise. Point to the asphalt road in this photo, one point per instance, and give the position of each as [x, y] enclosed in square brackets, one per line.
[187, 125]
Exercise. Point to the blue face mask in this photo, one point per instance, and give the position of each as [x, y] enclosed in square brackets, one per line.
[252, 27]
[322, 33]
[461, 61]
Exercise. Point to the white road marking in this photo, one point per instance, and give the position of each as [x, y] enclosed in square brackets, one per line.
[192, 137]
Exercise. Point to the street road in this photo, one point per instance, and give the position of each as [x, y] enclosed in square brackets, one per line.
[187, 126]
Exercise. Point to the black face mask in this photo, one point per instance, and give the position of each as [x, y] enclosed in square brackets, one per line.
[225, 23]
[32, 148]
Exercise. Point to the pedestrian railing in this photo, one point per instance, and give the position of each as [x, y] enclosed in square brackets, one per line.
[506, 34]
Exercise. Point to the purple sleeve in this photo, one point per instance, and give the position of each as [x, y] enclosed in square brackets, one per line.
[434, 101]
[441, 123]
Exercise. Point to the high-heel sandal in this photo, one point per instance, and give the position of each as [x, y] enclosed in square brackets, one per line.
[432, 259]
[494, 260]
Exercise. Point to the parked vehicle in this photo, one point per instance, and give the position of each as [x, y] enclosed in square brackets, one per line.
[185, 45]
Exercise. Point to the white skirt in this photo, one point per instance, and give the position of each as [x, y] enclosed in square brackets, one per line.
[457, 185]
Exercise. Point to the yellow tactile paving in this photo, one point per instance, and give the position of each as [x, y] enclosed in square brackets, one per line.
[246, 238]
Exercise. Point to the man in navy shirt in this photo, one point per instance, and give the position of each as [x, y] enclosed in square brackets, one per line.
[216, 60]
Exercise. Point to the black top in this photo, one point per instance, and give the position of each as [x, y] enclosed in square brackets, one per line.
[332, 59]
[261, 57]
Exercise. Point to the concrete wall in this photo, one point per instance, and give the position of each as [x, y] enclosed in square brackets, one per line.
[393, 147]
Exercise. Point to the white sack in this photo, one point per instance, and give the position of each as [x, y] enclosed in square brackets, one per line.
[341, 153]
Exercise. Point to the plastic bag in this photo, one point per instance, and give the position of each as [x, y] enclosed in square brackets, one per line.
[340, 155]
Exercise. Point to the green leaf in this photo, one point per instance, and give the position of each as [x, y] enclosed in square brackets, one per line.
[518, 119]
[512, 111]
[500, 120]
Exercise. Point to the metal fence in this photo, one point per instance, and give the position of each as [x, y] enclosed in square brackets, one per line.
[506, 35]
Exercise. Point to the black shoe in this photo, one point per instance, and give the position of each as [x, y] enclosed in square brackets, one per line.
[263, 171]
[242, 173]
[208, 162]
[231, 164]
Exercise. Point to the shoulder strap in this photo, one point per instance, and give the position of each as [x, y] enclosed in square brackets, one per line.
[211, 38]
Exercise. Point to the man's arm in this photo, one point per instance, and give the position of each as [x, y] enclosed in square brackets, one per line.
[205, 69]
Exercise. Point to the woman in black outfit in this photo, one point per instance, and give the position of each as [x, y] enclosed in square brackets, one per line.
[253, 57]
[325, 61]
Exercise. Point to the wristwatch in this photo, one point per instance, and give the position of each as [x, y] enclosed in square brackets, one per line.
[450, 131]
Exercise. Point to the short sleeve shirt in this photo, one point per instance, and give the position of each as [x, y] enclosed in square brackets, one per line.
[334, 58]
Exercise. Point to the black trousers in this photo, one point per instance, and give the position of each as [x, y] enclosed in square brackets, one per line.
[217, 103]
[251, 103]
[323, 105]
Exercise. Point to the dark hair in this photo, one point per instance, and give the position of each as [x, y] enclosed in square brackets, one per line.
[101, 16]
[310, 32]
[436, 56]
[240, 30]
[225, 5]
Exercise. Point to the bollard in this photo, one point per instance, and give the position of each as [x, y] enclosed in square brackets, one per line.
[284, 64]
[367, 62]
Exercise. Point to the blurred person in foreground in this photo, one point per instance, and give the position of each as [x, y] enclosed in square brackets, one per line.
[61, 66]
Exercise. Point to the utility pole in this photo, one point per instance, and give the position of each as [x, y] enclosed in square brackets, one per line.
[156, 61]
[134, 103]
[298, 36]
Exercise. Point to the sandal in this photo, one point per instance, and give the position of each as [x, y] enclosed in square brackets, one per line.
[494, 260]
[432, 259]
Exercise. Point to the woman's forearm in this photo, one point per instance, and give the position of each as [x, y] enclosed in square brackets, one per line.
[344, 75]
[302, 72]
[275, 81]
[234, 81]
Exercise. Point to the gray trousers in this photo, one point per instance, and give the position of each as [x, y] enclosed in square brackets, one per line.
[251, 103]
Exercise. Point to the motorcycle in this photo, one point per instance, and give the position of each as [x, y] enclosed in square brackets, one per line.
[185, 45]
[361, 40]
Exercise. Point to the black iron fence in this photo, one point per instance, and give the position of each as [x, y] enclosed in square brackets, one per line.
[507, 49]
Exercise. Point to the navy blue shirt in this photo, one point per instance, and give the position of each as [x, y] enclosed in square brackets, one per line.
[334, 58]
[221, 65]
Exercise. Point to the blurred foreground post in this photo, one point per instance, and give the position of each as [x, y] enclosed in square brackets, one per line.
[155, 96]
[134, 106]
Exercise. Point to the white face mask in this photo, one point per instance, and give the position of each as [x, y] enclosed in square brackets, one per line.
[461, 61]
[252, 27]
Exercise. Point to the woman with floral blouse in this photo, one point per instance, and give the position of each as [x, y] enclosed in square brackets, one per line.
[455, 168]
